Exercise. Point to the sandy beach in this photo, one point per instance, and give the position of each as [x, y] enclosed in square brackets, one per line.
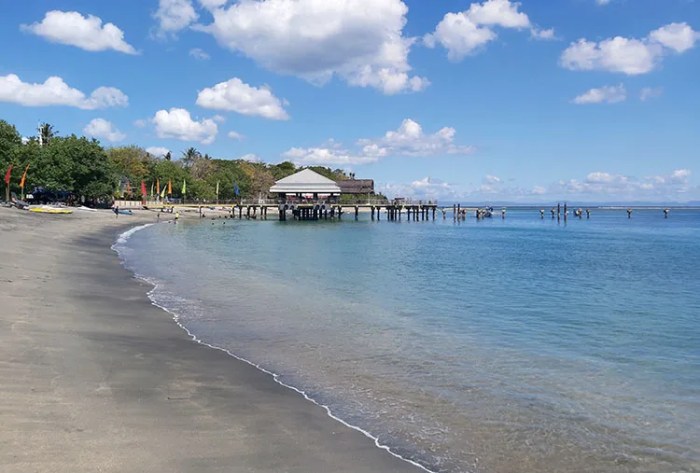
[93, 377]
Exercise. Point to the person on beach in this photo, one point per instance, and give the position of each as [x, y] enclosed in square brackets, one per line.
[116, 212]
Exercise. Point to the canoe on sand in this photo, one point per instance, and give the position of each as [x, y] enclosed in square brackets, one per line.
[46, 210]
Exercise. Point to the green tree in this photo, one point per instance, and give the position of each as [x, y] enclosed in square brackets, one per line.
[46, 134]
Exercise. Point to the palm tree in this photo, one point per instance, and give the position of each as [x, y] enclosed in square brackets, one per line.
[190, 156]
[46, 133]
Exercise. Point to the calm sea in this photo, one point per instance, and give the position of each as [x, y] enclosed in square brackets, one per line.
[516, 345]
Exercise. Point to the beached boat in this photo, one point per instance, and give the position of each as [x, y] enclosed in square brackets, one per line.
[50, 210]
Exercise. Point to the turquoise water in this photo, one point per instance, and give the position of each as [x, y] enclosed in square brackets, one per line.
[516, 345]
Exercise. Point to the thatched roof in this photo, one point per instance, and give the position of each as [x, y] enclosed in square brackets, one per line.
[357, 186]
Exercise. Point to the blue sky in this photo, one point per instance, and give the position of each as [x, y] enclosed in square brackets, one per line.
[530, 101]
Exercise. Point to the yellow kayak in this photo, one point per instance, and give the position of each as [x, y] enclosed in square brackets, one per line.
[50, 211]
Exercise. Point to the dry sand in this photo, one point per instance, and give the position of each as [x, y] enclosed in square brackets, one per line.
[94, 378]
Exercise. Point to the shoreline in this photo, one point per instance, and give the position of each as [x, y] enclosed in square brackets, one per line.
[96, 379]
[274, 376]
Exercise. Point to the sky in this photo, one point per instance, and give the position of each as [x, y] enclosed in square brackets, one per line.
[493, 100]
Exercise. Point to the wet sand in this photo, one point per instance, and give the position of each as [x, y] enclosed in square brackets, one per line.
[95, 378]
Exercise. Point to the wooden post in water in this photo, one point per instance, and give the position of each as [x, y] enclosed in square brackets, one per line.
[373, 212]
[357, 212]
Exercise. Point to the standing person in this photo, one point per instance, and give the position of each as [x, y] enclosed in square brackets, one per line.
[116, 211]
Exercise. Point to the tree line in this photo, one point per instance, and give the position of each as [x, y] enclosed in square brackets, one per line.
[95, 174]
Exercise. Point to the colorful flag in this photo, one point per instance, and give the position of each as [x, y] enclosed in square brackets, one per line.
[170, 187]
[8, 175]
[162, 194]
[24, 177]
[152, 187]
[143, 189]
[236, 190]
[184, 187]
[157, 186]
[127, 190]
[217, 188]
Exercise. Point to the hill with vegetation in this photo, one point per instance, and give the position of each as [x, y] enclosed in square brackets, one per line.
[97, 174]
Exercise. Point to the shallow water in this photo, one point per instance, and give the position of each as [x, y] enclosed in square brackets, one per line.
[516, 345]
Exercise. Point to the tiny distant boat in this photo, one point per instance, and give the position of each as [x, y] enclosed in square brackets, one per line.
[50, 210]
[124, 212]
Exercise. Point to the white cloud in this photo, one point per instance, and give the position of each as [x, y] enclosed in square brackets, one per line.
[54, 91]
[459, 35]
[602, 2]
[101, 128]
[199, 54]
[498, 13]
[676, 36]
[410, 140]
[84, 32]
[360, 41]
[617, 186]
[605, 94]
[330, 154]
[545, 34]
[237, 96]
[158, 151]
[648, 93]
[234, 135]
[251, 157]
[177, 123]
[174, 16]
[629, 55]
[464, 33]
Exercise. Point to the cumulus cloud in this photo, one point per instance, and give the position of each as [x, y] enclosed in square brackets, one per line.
[330, 154]
[84, 32]
[679, 37]
[465, 33]
[605, 94]
[629, 56]
[237, 96]
[158, 151]
[101, 128]
[54, 91]
[426, 188]
[410, 140]
[177, 123]
[360, 41]
[234, 135]
[174, 16]
[199, 54]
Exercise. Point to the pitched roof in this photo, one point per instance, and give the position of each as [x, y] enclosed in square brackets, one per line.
[305, 182]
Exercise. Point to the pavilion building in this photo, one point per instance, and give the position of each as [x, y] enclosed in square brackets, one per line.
[306, 184]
